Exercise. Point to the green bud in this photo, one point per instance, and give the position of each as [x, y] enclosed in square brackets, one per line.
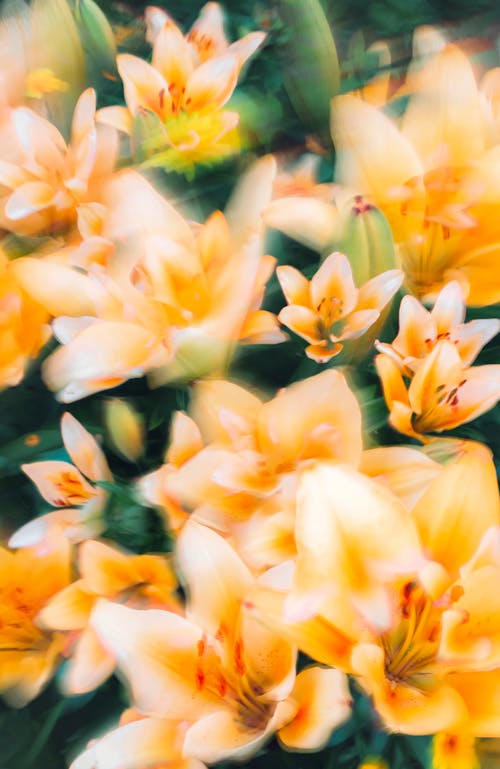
[125, 428]
[97, 37]
[311, 69]
[365, 237]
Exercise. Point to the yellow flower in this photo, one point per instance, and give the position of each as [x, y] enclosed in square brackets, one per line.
[441, 395]
[49, 181]
[65, 485]
[330, 309]
[435, 176]
[28, 653]
[454, 751]
[420, 330]
[185, 87]
[228, 677]
[141, 581]
[42, 81]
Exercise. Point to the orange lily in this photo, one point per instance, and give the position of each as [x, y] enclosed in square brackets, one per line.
[434, 176]
[221, 671]
[420, 330]
[68, 486]
[186, 85]
[28, 653]
[141, 581]
[23, 327]
[330, 309]
[177, 299]
[48, 180]
[442, 394]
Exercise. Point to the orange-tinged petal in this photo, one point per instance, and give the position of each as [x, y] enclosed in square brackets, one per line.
[143, 85]
[59, 482]
[473, 336]
[172, 58]
[406, 471]
[302, 321]
[310, 221]
[358, 322]
[28, 199]
[220, 735]
[207, 32]
[334, 280]
[451, 524]
[343, 520]
[449, 309]
[83, 116]
[90, 665]
[158, 653]
[324, 703]
[288, 421]
[84, 449]
[261, 327]
[404, 708]
[378, 291]
[59, 289]
[106, 570]
[117, 117]
[321, 353]
[373, 157]
[145, 742]
[69, 609]
[244, 48]
[217, 579]
[185, 439]
[481, 693]
[224, 410]
[211, 85]
[294, 285]
[392, 382]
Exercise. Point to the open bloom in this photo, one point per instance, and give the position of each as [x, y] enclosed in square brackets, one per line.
[69, 487]
[185, 87]
[420, 330]
[231, 679]
[177, 298]
[28, 653]
[329, 309]
[140, 581]
[420, 630]
[442, 394]
[47, 182]
[434, 175]
[234, 460]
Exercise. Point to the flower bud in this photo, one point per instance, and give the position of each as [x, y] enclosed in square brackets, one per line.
[310, 64]
[125, 428]
[365, 237]
[97, 37]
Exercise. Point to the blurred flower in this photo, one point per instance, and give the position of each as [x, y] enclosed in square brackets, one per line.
[435, 177]
[301, 179]
[65, 485]
[24, 327]
[330, 309]
[238, 455]
[185, 87]
[125, 427]
[221, 671]
[442, 394]
[177, 298]
[140, 581]
[47, 180]
[28, 653]
[420, 330]
[414, 616]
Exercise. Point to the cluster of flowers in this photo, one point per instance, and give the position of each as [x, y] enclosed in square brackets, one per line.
[288, 537]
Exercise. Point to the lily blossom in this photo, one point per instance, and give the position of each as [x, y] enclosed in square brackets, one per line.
[185, 87]
[329, 309]
[69, 487]
[221, 671]
[48, 180]
[141, 581]
[420, 330]
[28, 653]
[442, 394]
[434, 175]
